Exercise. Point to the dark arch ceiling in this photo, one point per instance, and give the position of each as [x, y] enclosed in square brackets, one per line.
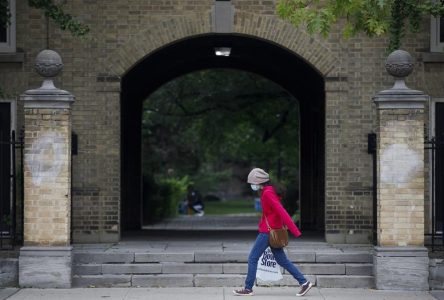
[249, 54]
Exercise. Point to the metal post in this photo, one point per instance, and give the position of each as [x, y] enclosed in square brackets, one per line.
[432, 165]
[22, 183]
[371, 149]
[14, 197]
[1, 190]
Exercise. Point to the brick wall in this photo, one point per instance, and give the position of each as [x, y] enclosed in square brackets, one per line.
[123, 32]
[47, 177]
[401, 177]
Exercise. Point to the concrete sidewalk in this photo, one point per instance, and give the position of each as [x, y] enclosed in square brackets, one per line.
[217, 293]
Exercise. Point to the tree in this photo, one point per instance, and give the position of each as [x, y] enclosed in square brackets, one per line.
[204, 122]
[373, 17]
[52, 11]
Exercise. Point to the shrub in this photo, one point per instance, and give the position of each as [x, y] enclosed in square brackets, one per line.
[161, 197]
[173, 190]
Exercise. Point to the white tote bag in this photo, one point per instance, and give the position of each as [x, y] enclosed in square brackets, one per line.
[268, 269]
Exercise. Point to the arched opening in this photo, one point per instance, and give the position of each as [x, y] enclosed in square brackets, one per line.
[201, 134]
[247, 53]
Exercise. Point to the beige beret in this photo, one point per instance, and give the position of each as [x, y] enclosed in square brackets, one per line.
[258, 176]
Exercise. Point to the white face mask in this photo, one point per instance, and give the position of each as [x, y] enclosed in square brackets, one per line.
[255, 187]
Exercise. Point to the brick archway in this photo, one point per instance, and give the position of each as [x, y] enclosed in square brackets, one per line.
[313, 51]
[269, 28]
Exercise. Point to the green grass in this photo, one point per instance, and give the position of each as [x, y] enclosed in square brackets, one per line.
[236, 206]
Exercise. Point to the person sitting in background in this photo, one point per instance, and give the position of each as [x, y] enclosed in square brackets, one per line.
[195, 202]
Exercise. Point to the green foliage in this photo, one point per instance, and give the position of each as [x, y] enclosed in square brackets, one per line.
[211, 124]
[208, 179]
[176, 191]
[235, 206]
[63, 20]
[205, 123]
[367, 16]
[373, 17]
[53, 11]
[161, 197]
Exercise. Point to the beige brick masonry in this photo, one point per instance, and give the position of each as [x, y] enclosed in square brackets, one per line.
[401, 177]
[47, 177]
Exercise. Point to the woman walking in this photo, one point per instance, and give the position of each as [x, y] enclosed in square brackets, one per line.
[274, 213]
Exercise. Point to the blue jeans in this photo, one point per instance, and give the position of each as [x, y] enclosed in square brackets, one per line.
[258, 248]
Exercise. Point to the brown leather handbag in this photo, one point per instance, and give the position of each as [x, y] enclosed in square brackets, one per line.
[278, 238]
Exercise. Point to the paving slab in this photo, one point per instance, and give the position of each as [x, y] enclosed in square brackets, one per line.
[101, 281]
[7, 292]
[180, 249]
[300, 257]
[322, 269]
[88, 269]
[438, 294]
[9, 269]
[176, 294]
[370, 294]
[95, 257]
[163, 280]
[71, 294]
[182, 268]
[287, 281]
[131, 269]
[217, 280]
[281, 293]
[220, 256]
[334, 281]
[359, 269]
[235, 268]
[344, 257]
[218, 293]
[238, 246]
[97, 247]
[164, 257]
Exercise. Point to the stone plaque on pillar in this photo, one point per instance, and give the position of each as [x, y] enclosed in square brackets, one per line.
[400, 254]
[45, 260]
[223, 17]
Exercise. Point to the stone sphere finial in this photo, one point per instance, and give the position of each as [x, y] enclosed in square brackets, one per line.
[48, 63]
[399, 64]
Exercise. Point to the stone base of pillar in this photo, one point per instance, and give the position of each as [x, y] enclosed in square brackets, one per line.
[8, 272]
[45, 267]
[401, 268]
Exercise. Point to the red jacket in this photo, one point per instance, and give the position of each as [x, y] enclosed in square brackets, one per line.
[275, 212]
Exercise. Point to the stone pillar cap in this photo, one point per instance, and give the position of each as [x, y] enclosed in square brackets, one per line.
[48, 64]
[399, 64]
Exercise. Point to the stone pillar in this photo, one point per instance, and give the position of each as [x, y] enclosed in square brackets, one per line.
[45, 260]
[400, 258]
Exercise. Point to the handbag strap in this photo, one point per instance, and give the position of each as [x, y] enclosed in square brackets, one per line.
[268, 225]
[266, 221]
